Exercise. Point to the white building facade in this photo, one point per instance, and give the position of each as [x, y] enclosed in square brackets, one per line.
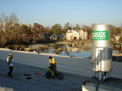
[76, 35]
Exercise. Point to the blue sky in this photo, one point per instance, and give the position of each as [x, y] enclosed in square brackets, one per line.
[50, 12]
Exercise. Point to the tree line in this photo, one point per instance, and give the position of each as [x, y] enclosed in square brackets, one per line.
[13, 34]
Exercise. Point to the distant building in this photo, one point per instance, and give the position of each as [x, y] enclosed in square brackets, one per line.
[83, 34]
[56, 36]
[27, 25]
[117, 38]
[76, 35]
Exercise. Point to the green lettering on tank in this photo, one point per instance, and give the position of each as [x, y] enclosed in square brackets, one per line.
[100, 35]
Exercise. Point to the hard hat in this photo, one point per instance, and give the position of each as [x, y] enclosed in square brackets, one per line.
[50, 57]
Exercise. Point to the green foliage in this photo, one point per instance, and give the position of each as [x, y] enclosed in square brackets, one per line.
[66, 27]
[77, 27]
[56, 29]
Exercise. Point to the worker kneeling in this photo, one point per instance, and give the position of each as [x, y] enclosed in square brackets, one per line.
[52, 70]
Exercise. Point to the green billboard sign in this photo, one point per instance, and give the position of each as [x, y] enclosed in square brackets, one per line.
[100, 35]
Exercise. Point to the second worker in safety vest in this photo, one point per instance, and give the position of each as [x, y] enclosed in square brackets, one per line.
[52, 63]
[10, 64]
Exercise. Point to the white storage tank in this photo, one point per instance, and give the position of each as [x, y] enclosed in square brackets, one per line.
[101, 56]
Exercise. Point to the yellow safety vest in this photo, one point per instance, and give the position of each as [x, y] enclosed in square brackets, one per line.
[52, 61]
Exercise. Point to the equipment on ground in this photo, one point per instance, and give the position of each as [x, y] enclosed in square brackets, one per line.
[51, 74]
[101, 56]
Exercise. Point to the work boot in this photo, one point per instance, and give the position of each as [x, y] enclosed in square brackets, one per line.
[10, 75]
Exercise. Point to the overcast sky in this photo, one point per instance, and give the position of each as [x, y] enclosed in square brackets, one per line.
[50, 12]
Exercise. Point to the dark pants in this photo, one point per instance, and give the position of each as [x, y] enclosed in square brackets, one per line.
[10, 71]
[53, 67]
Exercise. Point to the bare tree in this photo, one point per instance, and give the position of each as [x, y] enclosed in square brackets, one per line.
[8, 22]
[13, 19]
[3, 18]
